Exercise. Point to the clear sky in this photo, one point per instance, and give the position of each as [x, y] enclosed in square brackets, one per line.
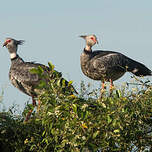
[51, 29]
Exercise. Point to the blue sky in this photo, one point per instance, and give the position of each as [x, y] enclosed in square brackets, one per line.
[51, 30]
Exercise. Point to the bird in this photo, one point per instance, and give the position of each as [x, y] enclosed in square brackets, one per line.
[108, 66]
[20, 73]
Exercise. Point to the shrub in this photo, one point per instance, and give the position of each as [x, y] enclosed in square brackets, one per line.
[120, 121]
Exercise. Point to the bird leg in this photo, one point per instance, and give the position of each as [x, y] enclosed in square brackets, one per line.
[103, 86]
[30, 111]
[111, 86]
[102, 89]
[33, 101]
[28, 115]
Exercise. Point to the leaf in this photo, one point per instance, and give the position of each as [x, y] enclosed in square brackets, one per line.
[70, 83]
[63, 83]
[40, 69]
[42, 84]
[34, 71]
[116, 131]
[118, 93]
[71, 96]
[85, 114]
[74, 108]
[109, 119]
[51, 66]
[114, 122]
[103, 105]
[84, 125]
[95, 134]
[44, 132]
[59, 83]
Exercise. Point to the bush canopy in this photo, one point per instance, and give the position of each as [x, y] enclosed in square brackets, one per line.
[118, 121]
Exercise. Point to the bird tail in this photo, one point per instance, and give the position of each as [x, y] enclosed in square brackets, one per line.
[138, 69]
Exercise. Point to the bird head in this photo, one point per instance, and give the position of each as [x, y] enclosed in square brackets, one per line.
[12, 44]
[91, 40]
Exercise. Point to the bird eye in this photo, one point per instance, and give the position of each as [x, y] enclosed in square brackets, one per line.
[8, 41]
[92, 38]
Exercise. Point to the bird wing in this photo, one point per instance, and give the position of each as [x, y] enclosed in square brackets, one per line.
[109, 60]
[115, 61]
[22, 72]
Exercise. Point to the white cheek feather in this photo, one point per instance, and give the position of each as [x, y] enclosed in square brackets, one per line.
[12, 55]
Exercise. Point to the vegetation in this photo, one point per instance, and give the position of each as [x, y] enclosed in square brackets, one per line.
[119, 121]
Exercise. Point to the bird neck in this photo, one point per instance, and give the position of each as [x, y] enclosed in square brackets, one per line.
[13, 55]
[88, 48]
[86, 51]
[15, 59]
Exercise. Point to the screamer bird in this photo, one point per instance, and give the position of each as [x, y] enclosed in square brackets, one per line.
[20, 73]
[108, 65]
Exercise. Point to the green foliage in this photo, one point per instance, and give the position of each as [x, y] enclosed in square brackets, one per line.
[119, 121]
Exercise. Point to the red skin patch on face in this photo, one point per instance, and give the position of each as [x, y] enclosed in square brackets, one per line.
[7, 41]
[92, 38]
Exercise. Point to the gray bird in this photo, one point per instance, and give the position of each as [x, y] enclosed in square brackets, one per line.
[108, 65]
[20, 72]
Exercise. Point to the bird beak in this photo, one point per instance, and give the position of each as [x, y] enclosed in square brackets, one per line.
[5, 43]
[83, 36]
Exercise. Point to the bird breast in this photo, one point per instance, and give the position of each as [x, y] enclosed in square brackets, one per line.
[90, 68]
